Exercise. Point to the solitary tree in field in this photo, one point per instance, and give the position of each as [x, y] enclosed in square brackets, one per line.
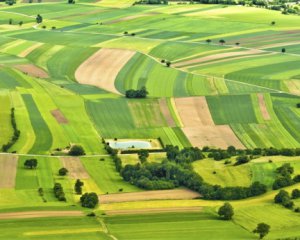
[283, 50]
[63, 171]
[168, 63]
[226, 211]
[10, 21]
[39, 18]
[237, 43]
[20, 23]
[222, 41]
[208, 40]
[273, 23]
[78, 186]
[31, 163]
[262, 229]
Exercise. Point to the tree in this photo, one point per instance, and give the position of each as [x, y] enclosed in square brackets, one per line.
[273, 23]
[296, 193]
[10, 21]
[39, 18]
[222, 41]
[76, 150]
[89, 200]
[20, 23]
[208, 41]
[281, 196]
[78, 186]
[31, 163]
[226, 211]
[262, 229]
[63, 171]
[168, 64]
[283, 50]
[237, 43]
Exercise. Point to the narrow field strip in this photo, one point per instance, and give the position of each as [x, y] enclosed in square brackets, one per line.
[8, 171]
[63, 231]
[40, 214]
[153, 210]
[149, 195]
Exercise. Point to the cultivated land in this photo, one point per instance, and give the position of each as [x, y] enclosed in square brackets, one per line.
[66, 79]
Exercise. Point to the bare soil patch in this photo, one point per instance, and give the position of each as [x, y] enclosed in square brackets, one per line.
[153, 210]
[263, 106]
[102, 68]
[58, 115]
[8, 170]
[216, 57]
[40, 214]
[194, 111]
[30, 49]
[75, 167]
[199, 126]
[149, 195]
[32, 70]
[166, 112]
[220, 136]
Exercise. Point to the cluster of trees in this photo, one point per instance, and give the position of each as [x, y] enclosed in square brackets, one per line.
[59, 192]
[10, 2]
[140, 93]
[284, 177]
[283, 198]
[16, 132]
[245, 155]
[31, 163]
[76, 150]
[174, 172]
[184, 156]
[89, 200]
[78, 186]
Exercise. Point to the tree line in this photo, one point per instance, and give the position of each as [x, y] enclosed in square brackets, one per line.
[16, 132]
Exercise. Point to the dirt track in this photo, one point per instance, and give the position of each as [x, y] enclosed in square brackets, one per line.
[8, 170]
[39, 214]
[102, 68]
[148, 195]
